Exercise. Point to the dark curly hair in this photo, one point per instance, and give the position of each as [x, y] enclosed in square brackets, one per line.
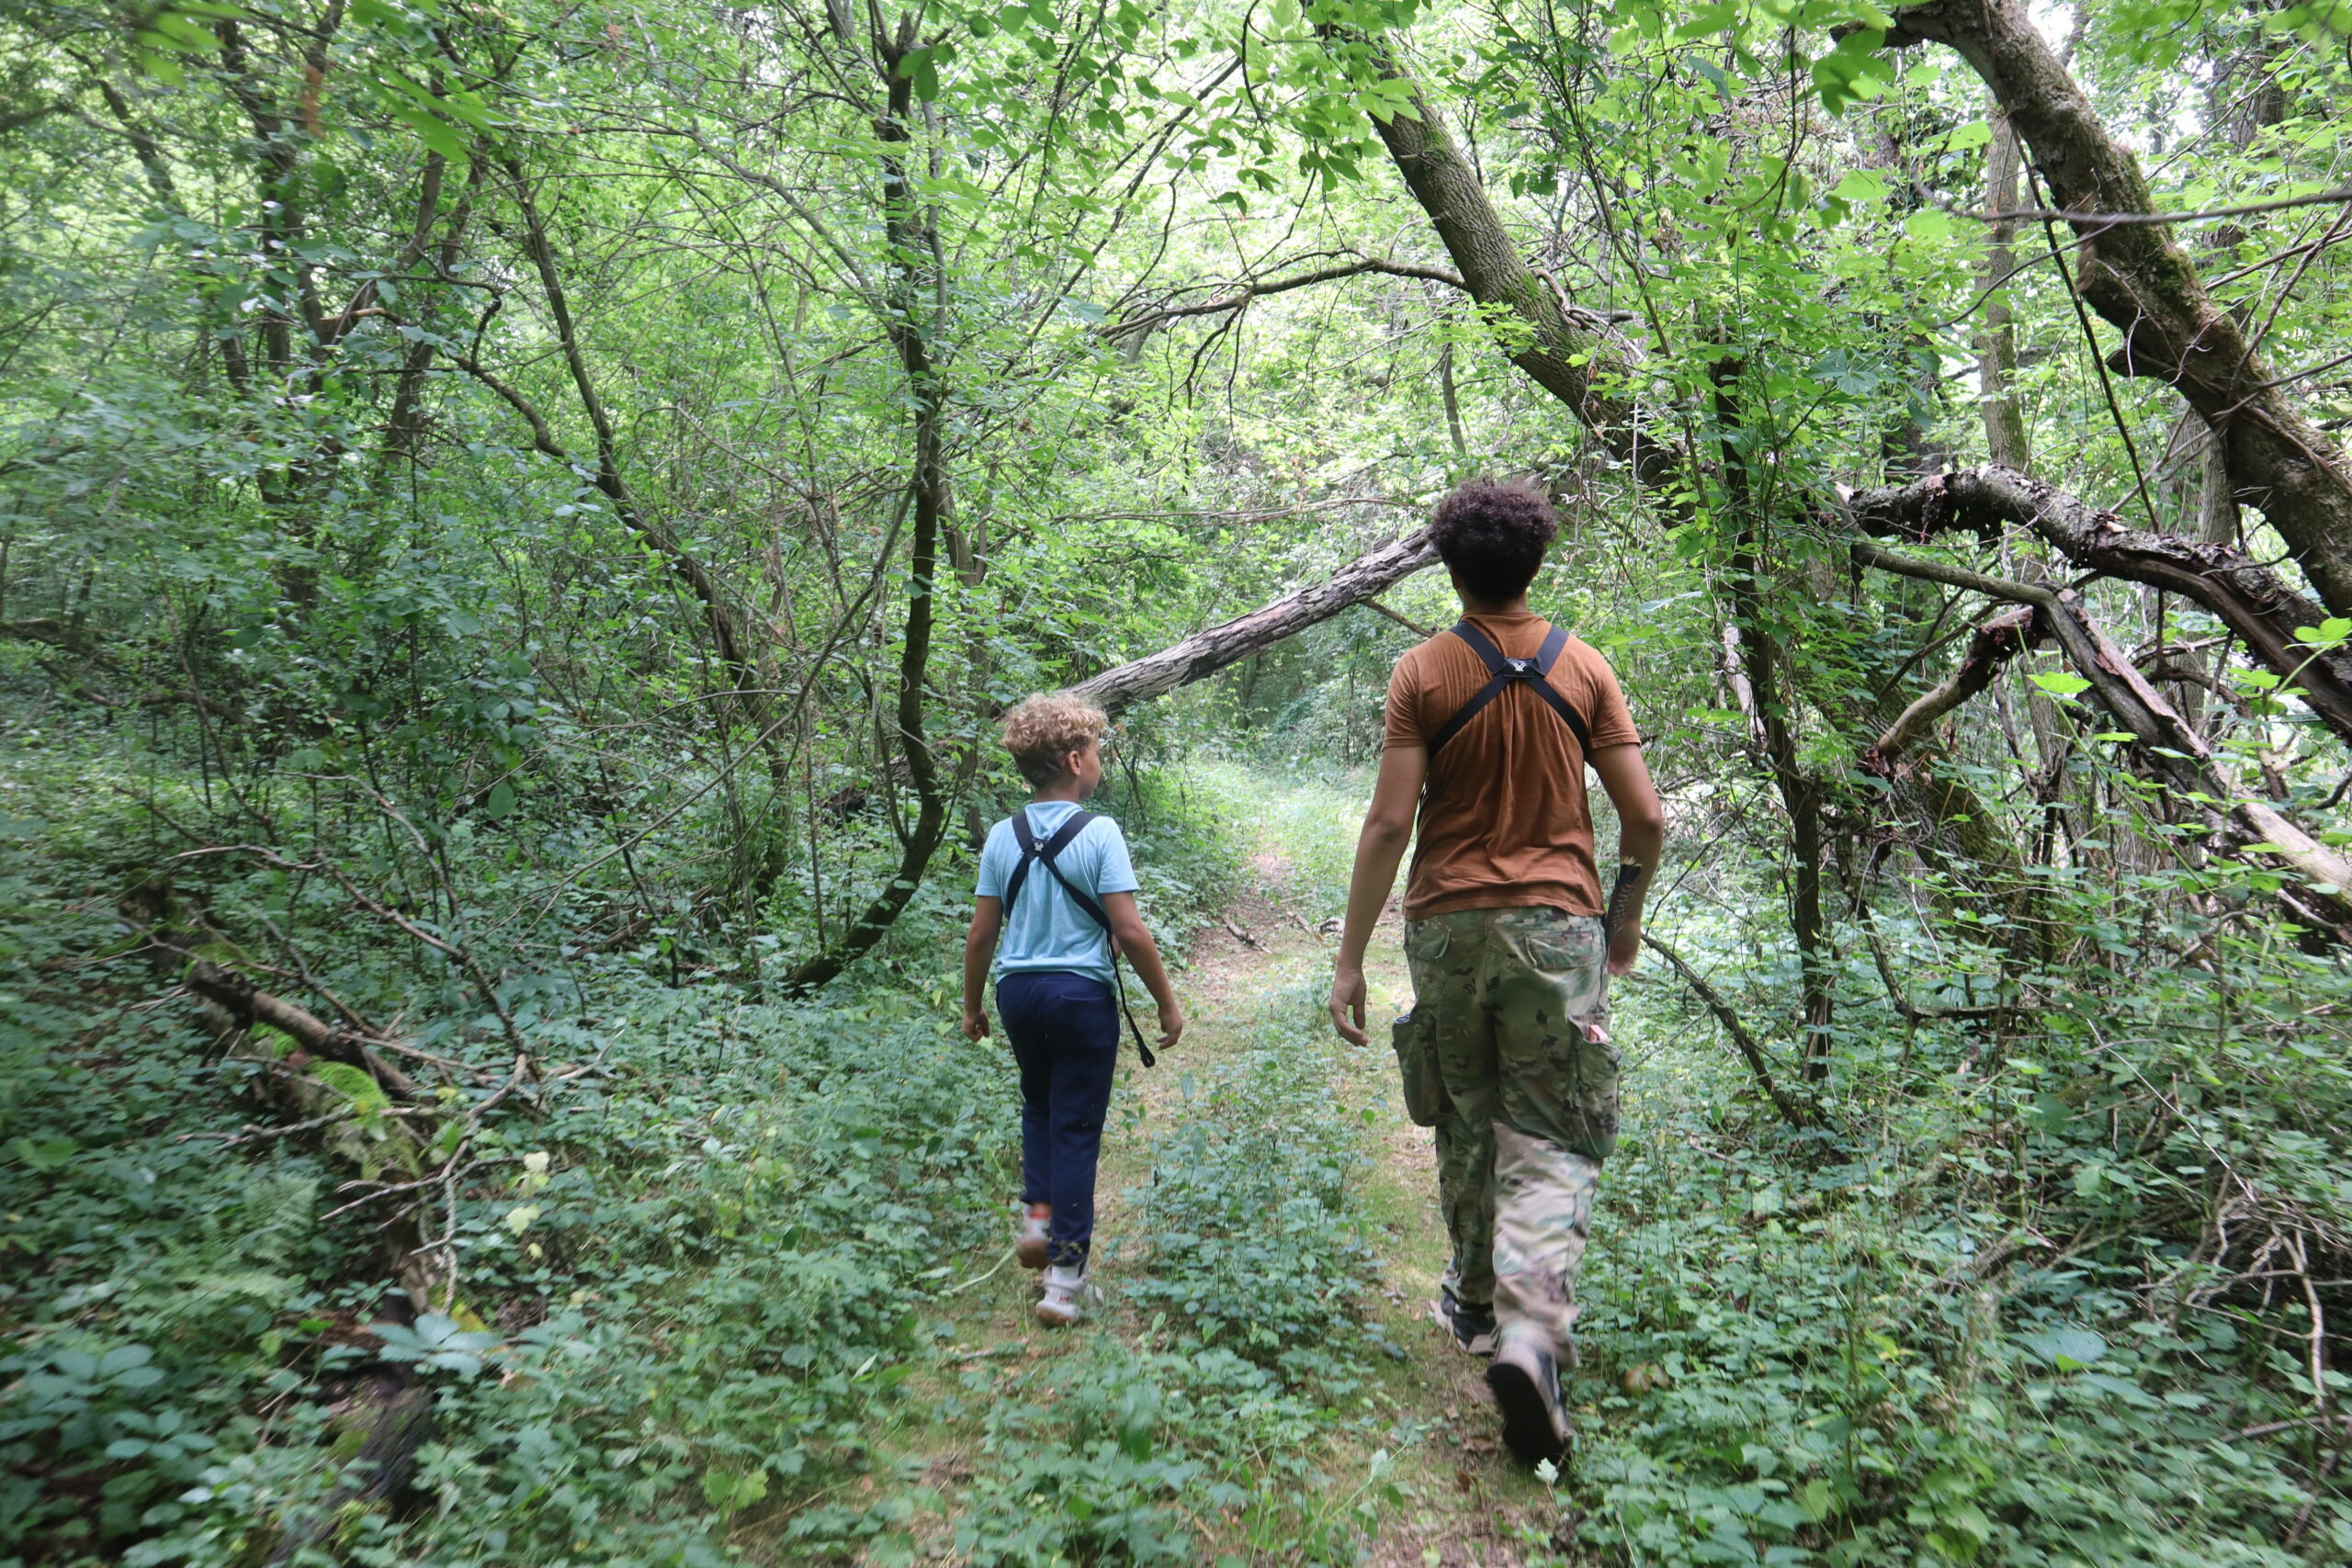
[1493, 534]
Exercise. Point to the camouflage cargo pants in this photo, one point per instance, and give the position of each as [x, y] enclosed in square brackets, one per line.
[1513, 1006]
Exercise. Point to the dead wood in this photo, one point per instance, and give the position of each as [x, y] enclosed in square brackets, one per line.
[1205, 653]
[1995, 642]
[2318, 892]
[2253, 601]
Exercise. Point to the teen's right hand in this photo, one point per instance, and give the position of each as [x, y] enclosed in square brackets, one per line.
[976, 1024]
[1172, 1025]
[1347, 1005]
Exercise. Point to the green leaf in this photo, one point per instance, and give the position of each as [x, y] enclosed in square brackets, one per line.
[2061, 685]
[438, 135]
[500, 801]
[920, 66]
[1706, 21]
[2068, 1349]
[1860, 186]
[729, 1490]
[1928, 224]
[48, 1155]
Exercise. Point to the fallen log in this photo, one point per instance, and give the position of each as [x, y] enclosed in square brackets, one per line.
[1205, 653]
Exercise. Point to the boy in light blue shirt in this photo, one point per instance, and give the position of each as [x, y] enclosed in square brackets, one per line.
[1054, 905]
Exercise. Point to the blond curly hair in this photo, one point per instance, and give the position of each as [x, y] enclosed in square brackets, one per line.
[1042, 731]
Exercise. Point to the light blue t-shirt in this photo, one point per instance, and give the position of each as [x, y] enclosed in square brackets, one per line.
[1046, 930]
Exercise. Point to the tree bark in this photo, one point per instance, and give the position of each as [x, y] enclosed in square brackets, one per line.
[1996, 344]
[2141, 281]
[2251, 599]
[1205, 653]
[1995, 643]
[1571, 354]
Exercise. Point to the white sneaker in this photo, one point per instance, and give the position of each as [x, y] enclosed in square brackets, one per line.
[1068, 1293]
[1029, 1246]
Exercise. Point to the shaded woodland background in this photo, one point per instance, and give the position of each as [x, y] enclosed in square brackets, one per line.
[515, 523]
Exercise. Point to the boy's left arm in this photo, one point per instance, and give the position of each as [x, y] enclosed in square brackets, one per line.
[1135, 939]
[979, 947]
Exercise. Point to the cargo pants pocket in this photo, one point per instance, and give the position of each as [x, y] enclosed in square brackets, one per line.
[1592, 1092]
[1415, 1038]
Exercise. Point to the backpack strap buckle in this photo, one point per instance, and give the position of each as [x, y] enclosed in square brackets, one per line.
[1504, 672]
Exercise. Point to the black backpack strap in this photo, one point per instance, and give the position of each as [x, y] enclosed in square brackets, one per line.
[1503, 672]
[1032, 851]
[1048, 851]
[1542, 685]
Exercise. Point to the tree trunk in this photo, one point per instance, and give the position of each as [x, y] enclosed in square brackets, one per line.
[1205, 653]
[1760, 664]
[1996, 343]
[907, 225]
[2142, 282]
[1570, 353]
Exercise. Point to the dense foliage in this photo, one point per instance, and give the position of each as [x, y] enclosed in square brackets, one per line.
[515, 523]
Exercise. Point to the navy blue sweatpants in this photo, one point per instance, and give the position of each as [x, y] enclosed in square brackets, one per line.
[1063, 1029]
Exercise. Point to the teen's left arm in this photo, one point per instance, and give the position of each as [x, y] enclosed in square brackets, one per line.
[1135, 939]
[979, 946]
[1641, 838]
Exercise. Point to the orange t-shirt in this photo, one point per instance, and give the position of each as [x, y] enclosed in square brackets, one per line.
[1505, 822]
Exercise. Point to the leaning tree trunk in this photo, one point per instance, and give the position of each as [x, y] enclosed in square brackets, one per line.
[2251, 599]
[1570, 354]
[1205, 653]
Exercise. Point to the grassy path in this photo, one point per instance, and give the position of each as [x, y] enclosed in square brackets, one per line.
[1399, 1463]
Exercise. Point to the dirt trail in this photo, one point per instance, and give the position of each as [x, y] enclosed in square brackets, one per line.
[1466, 1502]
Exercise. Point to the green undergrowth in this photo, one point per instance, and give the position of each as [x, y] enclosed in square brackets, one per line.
[1210, 1397]
[740, 1293]
[697, 1293]
[1976, 1322]
[1209, 1410]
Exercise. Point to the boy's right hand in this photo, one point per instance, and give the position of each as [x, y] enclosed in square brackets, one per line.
[1172, 1025]
[976, 1024]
